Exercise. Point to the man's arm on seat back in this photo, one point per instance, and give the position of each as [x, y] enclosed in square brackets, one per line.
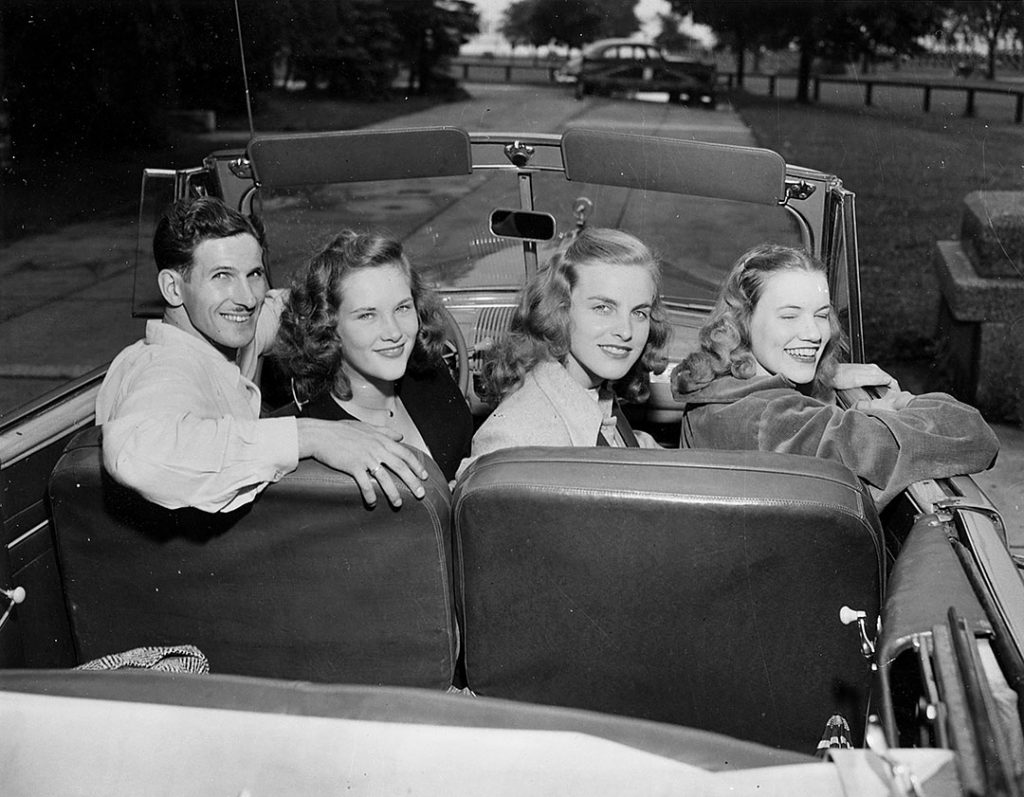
[165, 437]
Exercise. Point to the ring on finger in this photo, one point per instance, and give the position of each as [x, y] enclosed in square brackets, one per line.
[375, 471]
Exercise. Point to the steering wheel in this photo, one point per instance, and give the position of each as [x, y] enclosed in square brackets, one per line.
[456, 353]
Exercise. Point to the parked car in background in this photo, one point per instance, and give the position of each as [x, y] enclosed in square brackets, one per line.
[622, 65]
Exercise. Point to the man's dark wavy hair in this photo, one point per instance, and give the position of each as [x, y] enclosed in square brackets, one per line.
[308, 347]
[189, 222]
[541, 328]
[725, 337]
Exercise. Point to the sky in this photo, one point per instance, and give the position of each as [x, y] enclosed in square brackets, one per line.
[491, 12]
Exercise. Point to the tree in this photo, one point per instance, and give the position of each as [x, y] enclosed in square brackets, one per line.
[517, 23]
[988, 20]
[101, 87]
[671, 38]
[345, 47]
[890, 28]
[573, 23]
[431, 31]
[836, 30]
[742, 25]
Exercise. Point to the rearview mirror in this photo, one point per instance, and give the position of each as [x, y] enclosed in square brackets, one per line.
[529, 225]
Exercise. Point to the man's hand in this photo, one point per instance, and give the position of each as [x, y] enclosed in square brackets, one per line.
[365, 452]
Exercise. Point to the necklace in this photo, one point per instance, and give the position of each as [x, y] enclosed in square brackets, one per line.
[363, 407]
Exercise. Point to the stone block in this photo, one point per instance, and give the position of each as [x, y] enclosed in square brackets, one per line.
[971, 295]
[992, 229]
[1000, 368]
[981, 332]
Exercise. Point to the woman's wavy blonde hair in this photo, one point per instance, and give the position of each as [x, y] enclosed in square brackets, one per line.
[725, 336]
[308, 347]
[541, 328]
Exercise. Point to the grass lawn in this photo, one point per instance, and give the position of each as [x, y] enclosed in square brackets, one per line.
[910, 173]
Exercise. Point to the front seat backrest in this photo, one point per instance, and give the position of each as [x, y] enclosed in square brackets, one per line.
[305, 583]
[702, 588]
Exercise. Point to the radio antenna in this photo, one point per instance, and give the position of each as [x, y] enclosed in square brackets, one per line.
[245, 72]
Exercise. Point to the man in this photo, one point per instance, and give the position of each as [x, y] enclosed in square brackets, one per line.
[179, 409]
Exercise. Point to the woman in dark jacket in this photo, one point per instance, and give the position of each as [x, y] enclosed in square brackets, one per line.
[361, 338]
[766, 374]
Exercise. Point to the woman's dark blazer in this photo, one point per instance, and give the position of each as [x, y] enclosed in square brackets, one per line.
[435, 405]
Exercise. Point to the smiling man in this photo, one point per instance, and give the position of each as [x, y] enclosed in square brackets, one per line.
[180, 412]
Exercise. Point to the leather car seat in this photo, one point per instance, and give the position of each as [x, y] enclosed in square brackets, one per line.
[305, 583]
[701, 588]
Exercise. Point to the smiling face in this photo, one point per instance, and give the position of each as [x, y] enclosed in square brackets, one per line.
[377, 325]
[790, 324]
[610, 319]
[220, 299]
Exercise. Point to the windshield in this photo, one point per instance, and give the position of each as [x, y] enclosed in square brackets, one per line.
[443, 223]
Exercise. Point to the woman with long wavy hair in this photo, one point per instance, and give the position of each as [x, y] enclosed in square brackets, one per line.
[589, 330]
[361, 338]
[767, 369]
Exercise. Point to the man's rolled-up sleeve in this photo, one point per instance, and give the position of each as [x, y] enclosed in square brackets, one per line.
[164, 438]
[212, 464]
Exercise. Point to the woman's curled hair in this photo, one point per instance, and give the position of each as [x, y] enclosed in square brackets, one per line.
[308, 347]
[724, 339]
[541, 328]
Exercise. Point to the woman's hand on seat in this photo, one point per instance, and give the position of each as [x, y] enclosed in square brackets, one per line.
[851, 375]
[891, 400]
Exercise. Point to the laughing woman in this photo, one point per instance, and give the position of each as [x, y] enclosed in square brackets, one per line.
[765, 376]
[588, 331]
[361, 339]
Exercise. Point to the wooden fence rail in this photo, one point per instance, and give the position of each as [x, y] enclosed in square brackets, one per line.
[869, 83]
[544, 71]
[492, 70]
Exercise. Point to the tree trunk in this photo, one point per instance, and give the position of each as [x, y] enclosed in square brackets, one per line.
[990, 72]
[740, 51]
[803, 78]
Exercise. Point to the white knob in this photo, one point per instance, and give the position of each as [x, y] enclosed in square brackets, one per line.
[16, 595]
[848, 615]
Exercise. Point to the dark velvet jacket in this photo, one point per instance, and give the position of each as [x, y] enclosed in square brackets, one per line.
[932, 437]
[435, 405]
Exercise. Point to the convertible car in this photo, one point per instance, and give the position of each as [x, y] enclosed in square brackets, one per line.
[563, 621]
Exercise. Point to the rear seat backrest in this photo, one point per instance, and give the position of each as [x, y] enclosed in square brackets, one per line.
[306, 583]
[695, 587]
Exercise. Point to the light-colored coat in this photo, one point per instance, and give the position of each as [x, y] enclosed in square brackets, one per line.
[549, 409]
